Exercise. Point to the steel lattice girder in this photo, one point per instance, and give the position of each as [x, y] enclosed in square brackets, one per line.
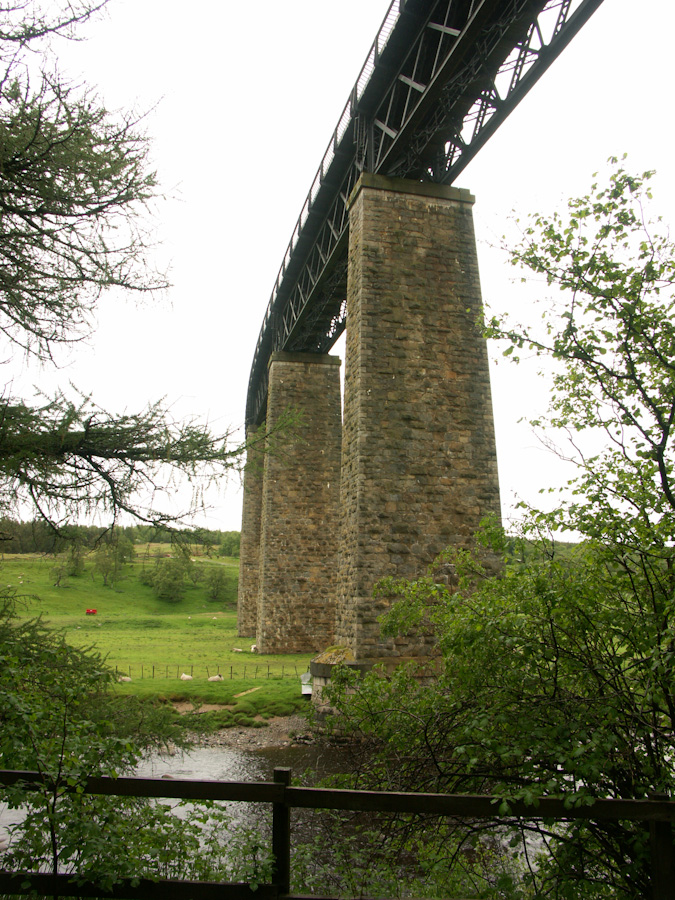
[440, 78]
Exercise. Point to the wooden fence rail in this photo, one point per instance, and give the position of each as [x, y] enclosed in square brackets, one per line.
[658, 813]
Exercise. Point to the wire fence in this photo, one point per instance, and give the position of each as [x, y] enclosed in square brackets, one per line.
[246, 672]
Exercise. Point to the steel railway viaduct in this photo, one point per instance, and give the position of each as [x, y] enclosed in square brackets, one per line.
[384, 247]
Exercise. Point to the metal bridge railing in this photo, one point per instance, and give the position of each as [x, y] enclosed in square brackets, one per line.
[340, 130]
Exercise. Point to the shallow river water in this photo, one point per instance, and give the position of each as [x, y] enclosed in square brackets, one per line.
[233, 764]
[223, 763]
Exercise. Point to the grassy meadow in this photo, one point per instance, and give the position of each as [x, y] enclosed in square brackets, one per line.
[154, 641]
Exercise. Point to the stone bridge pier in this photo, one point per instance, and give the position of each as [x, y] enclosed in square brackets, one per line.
[291, 508]
[418, 467]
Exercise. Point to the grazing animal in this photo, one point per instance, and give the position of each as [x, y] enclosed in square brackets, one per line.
[254, 648]
[124, 678]
[185, 677]
[215, 678]
[237, 650]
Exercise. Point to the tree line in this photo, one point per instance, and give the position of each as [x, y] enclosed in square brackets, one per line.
[38, 536]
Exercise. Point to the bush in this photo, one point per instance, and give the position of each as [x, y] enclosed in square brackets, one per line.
[168, 580]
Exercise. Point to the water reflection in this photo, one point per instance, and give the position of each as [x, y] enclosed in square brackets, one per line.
[226, 764]
[233, 764]
[204, 764]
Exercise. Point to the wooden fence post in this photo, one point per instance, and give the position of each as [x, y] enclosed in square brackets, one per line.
[663, 859]
[281, 837]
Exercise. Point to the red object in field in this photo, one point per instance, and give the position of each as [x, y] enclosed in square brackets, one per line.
[90, 612]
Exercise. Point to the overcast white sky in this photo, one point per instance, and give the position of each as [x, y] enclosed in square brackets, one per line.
[245, 97]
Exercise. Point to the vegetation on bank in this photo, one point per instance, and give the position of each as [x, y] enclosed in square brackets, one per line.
[557, 668]
[76, 183]
[62, 716]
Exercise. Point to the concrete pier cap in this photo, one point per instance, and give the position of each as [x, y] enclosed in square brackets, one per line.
[406, 186]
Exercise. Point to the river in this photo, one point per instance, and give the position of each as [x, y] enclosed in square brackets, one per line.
[226, 763]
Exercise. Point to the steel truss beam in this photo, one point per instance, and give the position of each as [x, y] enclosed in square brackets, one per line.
[440, 78]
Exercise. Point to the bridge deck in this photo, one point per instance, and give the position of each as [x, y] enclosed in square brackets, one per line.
[440, 78]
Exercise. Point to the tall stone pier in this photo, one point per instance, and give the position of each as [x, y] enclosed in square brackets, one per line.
[419, 466]
[249, 552]
[300, 505]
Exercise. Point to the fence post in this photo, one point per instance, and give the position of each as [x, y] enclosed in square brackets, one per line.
[661, 845]
[281, 837]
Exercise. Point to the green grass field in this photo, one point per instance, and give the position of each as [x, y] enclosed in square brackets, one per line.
[155, 641]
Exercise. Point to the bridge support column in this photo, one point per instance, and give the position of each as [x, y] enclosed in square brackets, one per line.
[299, 534]
[249, 552]
[419, 467]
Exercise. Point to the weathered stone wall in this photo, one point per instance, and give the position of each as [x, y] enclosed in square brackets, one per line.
[249, 553]
[300, 506]
[419, 467]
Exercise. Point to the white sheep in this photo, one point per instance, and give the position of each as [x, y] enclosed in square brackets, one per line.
[254, 648]
[237, 650]
[124, 678]
[215, 678]
[185, 677]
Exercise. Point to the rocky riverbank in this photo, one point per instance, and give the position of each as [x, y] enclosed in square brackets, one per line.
[286, 731]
